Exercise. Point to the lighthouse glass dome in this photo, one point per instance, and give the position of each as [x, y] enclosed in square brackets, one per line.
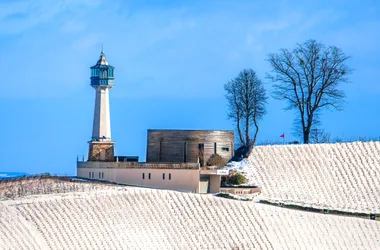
[102, 74]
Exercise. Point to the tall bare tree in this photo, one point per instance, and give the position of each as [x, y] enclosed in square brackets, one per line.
[308, 78]
[246, 98]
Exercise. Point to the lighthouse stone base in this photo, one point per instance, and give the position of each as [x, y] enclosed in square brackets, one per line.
[101, 151]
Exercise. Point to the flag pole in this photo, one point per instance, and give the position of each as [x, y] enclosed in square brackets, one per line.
[283, 138]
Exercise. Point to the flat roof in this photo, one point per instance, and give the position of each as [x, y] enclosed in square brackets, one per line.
[206, 130]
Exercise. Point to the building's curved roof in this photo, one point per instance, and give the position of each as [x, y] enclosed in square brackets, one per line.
[344, 176]
[135, 218]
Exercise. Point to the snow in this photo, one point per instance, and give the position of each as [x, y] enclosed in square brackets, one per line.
[86, 215]
[137, 218]
[342, 176]
[238, 166]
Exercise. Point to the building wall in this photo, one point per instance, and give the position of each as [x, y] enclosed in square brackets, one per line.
[240, 191]
[183, 145]
[215, 183]
[182, 179]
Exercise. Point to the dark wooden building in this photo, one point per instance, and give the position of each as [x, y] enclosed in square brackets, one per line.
[175, 146]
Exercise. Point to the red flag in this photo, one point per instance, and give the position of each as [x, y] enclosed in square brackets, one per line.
[282, 136]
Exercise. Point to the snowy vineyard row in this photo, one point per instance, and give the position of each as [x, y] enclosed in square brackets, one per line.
[33, 186]
[135, 218]
[342, 176]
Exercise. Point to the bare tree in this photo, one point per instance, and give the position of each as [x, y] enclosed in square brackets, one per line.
[308, 78]
[246, 98]
[319, 135]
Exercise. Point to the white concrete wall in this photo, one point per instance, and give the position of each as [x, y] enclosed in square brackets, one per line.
[181, 179]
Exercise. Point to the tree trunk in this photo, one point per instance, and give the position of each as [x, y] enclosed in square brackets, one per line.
[306, 134]
[247, 139]
[256, 132]
[241, 137]
[307, 128]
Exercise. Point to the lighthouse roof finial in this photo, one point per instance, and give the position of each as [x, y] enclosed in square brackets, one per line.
[102, 60]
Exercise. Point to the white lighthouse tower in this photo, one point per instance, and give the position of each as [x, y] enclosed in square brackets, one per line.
[102, 80]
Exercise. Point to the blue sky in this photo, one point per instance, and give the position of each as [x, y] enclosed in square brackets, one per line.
[171, 61]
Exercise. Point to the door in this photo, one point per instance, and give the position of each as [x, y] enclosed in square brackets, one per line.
[103, 155]
[204, 185]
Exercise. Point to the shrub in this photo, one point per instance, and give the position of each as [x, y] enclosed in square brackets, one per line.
[238, 179]
[294, 142]
[226, 179]
[201, 158]
[233, 197]
[233, 178]
[226, 195]
[216, 160]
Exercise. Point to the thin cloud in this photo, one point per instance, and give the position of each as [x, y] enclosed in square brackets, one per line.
[180, 48]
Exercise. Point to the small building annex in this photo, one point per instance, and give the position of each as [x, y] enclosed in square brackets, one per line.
[174, 157]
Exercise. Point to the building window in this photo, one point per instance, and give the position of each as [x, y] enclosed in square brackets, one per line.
[163, 176]
[92, 174]
[89, 174]
[170, 176]
[214, 148]
[149, 176]
[100, 175]
[143, 176]
[225, 149]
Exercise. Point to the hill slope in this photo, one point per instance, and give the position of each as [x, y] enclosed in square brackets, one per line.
[342, 176]
[136, 218]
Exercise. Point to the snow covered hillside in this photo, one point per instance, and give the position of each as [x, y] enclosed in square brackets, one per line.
[343, 176]
[136, 218]
[43, 184]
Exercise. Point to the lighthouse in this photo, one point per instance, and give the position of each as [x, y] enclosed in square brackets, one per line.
[102, 80]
